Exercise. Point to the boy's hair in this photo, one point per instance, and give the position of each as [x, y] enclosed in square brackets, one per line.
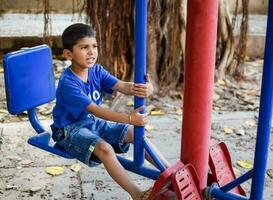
[75, 32]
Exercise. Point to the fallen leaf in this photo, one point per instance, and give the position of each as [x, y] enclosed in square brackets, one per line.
[250, 123]
[47, 112]
[149, 127]
[130, 103]
[228, 130]
[240, 132]
[54, 171]
[246, 164]
[221, 82]
[157, 113]
[35, 189]
[179, 111]
[76, 167]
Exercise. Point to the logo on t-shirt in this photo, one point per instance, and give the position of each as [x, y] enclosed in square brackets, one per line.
[96, 95]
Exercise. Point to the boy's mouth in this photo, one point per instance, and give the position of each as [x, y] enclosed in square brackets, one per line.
[91, 60]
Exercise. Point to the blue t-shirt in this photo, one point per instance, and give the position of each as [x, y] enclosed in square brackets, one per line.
[73, 95]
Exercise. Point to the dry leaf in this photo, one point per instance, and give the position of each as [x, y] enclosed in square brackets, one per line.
[149, 127]
[76, 167]
[250, 123]
[54, 171]
[35, 189]
[228, 130]
[130, 103]
[157, 113]
[179, 111]
[221, 82]
[246, 164]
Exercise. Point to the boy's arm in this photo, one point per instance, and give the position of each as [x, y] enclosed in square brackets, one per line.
[134, 118]
[130, 88]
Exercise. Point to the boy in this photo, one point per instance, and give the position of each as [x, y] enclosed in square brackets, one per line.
[80, 125]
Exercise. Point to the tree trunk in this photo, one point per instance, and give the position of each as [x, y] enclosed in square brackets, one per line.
[114, 22]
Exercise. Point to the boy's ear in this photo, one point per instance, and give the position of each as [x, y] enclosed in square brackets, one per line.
[67, 54]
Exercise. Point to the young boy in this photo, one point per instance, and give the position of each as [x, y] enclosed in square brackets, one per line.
[80, 125]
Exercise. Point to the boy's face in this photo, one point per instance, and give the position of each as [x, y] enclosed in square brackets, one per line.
[84, 53]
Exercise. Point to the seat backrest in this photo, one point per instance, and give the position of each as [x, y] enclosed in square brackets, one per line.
[29, 78]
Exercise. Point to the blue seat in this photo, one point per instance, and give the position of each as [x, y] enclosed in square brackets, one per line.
[29, 82]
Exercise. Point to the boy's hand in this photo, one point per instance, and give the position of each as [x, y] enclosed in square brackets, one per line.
[136, 118]
[143, 90]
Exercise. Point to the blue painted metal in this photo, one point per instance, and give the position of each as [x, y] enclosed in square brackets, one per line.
[34, 121]
[141, 170]
[21, 80]
[237, 181]
[265, 114]
[215, 191]
[140, 72]
[29, 82]
[45, 142]
[153, 155]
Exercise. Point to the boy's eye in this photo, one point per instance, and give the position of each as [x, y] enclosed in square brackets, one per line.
[84, 47]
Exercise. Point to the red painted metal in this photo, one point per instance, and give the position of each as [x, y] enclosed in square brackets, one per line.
[162, 184]
[177, 182]
[186, 184]
[221, 166]
[198, 85]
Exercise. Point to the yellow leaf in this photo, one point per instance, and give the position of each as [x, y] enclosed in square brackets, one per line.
[54, 171]
[76, 167]
[157, 113]
[179, 111]
[228, 130]
[149, 127]
[246, 164]
[130, 103]
[250, 123]
[221, 82]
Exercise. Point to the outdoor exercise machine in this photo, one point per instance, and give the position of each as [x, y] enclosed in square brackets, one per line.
[29, 82]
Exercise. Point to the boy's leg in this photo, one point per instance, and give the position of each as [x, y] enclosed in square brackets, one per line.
[106, 154]
[129, 138]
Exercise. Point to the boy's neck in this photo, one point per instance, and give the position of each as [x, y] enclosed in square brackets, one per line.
[81, 73]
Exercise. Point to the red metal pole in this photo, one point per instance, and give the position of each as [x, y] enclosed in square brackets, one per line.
[198, 86]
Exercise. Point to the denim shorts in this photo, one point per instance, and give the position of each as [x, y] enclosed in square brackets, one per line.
[81, 138]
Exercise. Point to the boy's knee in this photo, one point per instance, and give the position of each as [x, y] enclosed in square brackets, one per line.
[103, 149]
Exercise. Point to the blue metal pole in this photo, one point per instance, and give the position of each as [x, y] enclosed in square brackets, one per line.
[265, 113]
[237, 181]
[153, 155]
[216, 192]
[141, 170]
[140, 72]
[34, 121]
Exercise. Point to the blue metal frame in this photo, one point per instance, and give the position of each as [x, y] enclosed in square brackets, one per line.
[140, 72]
[263, 131]
[265, 113]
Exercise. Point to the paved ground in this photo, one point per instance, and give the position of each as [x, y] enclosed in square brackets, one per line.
[22, 166]
[19, 29]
